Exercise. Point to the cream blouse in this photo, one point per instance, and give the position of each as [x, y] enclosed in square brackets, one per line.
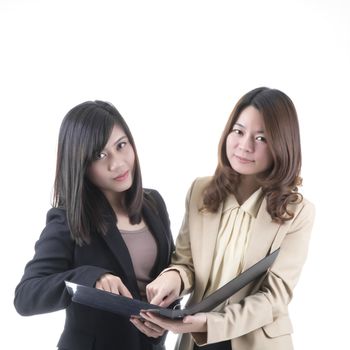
[232, 239]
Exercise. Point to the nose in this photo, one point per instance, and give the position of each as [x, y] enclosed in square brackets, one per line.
[115, 161]
[246, 144]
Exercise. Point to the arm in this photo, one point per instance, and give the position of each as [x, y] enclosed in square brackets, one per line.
[180, 275]
[42, 287]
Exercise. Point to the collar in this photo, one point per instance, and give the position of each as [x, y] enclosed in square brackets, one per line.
[251, 206]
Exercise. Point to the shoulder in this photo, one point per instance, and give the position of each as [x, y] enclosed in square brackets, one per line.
[307, 205]
[199, 184]
[304, 206]
[304, 215]
[202, 182]
[56, 232]
[153, 195]
[154, 200]
[56, 224]
[197, 188]
[56, 215]
[307, 209]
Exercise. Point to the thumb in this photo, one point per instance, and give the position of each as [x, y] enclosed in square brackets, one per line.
[125, 291]
[188, 319]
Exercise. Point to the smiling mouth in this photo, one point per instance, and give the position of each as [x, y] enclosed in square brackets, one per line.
[122, 177]
[244, 160]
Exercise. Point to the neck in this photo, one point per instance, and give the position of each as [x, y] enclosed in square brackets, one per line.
[121, 214]
[247, 186]
[115, 201]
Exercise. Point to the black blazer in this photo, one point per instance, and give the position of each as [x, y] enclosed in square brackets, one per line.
[57, 258]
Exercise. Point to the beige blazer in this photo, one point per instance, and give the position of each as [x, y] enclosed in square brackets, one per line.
[255, 318]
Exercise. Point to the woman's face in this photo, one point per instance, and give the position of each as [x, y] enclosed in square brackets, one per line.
[112, 171]
[246, 146]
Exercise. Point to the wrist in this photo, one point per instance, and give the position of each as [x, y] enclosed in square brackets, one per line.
[179, 275]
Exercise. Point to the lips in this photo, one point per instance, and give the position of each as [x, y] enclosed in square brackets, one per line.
[244, 160]
[122, 177]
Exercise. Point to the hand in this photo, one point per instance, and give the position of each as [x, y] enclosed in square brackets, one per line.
[148, 328]
[164, 289]
[190, 324]
[114, 284]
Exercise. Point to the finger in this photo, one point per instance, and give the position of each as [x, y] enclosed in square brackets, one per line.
[124, 291]
[157, 299]
[154, 327]
[197, 318]
[148, 316]
[144, 329]
[138, 324]
[166, 324]
[112, 286]
[103, 285]
[149, 294]
[188, 319]
[167, 300]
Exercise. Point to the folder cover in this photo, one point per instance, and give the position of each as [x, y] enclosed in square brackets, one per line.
[127, 307]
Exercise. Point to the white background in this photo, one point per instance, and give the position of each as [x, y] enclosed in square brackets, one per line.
[175, 69]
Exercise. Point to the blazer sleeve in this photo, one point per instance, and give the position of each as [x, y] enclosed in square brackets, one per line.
[270, 302]
[181, 260]
[42, 288]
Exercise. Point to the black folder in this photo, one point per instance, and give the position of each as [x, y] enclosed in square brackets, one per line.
[127, 307]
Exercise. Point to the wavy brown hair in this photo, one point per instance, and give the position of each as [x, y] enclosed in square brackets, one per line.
[280, 182]
[84, 132]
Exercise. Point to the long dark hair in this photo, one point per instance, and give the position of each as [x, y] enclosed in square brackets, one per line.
[84, 132]
[280, 182]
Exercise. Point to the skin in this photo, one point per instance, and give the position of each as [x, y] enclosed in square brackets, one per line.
[249, 155]
[165, 290]
[112, 171]
[248, 151]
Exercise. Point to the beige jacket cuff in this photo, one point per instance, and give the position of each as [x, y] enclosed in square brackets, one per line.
[222, 326]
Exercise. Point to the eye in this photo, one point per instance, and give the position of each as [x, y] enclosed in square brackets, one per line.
[237, 131]
[261, 139]
[101, 155]
[121, 145]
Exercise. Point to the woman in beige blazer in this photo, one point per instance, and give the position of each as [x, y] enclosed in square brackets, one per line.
[249, 208]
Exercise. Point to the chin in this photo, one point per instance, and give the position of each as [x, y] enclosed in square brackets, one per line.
[127, 187]
[243, 170]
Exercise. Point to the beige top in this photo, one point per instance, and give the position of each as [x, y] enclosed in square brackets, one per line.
[232, 239]
[142, 248]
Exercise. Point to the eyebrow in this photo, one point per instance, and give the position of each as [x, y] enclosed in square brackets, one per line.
[116, 142]
[120, 139]
[242, 126]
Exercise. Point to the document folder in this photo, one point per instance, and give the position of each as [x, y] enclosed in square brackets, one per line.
[127, 307]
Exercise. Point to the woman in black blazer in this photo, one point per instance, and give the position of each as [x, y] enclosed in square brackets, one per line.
[104, 231]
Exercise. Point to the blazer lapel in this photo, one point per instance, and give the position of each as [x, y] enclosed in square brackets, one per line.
[158, 230]
[207, 243]
[262, 235]
[116, 244]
